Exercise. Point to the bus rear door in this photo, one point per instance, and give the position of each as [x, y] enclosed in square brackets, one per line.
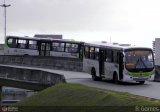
[44, 48]
[101, 62]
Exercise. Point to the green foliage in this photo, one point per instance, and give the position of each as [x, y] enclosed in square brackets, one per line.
[82, 98]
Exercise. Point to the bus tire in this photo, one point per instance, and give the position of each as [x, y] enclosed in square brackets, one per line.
[94, 77]
[115, 78]
[141, 82]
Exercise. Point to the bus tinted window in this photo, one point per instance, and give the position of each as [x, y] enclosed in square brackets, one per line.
[22, 43]
[32, 44]
[12, 42]
[109, 55]
[115, 58]
[86, 52]
[56, 46]
[96, 53]
[71, 48]
[92, 52]
[74, 48]
[74, 45]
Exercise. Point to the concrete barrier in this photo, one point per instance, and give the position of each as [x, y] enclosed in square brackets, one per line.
[60, 63]
[28, 78]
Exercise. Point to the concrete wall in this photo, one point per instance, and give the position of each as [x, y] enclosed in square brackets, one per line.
[59, 63]
[28, 78]
[1, 49]
[157, 73]
[157, 51]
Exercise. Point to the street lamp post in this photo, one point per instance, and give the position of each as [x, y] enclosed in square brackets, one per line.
[5, 6]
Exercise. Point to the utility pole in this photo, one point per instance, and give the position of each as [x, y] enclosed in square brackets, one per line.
[4, 5]
[110, 39]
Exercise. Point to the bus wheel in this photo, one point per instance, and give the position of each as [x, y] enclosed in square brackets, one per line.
[115, 78]
[141, 82]
[94, 77]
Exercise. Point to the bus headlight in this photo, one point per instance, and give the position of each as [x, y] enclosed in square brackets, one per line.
[126, 73]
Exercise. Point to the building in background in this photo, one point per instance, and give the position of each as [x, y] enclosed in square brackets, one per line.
[156, 50]
[48, 36]
[153, 46]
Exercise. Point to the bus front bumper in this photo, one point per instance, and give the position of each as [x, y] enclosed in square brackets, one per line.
[131, 78]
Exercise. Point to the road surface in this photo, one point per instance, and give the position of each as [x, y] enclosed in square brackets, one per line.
[149, 89]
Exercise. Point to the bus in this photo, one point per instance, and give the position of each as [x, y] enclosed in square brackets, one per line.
[118, 62]
[15, 45]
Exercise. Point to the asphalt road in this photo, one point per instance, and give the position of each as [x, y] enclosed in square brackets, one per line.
[149, 89]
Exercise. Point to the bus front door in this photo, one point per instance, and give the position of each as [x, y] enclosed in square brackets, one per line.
[120, 60]
[45, 48]
[101, 62]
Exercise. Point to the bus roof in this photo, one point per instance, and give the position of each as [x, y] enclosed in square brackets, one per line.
[117, 46]
[69, 41]
[26, 37]
[49, 39]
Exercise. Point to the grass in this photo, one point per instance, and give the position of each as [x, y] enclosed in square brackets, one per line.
[73, 97]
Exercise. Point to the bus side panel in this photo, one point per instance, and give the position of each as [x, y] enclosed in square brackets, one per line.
[88, 64]
[17, 51]
[64, 54]
[85, 66]
[109, 69]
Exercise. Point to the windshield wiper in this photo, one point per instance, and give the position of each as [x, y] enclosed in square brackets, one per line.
[143, 62]
[138, 61]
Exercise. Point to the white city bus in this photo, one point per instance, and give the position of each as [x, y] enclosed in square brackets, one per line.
[118, 62]
[15, 45]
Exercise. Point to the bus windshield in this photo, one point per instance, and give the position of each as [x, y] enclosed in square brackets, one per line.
[139, 60]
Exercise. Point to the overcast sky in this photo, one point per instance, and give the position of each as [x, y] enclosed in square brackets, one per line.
[125, 21]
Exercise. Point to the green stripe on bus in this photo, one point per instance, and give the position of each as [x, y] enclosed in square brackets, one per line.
[141, 74]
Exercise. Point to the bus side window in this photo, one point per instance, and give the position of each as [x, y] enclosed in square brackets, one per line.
[92, 52]
[32, 44]
[61, 47]
[74, 48]
[96, 53]
[58, 46]
[86, 52]
[71, 48]
[112, 58]
[55, 46]
[12, 42]
[22, 43]
[68, 47]
[109, 56]
[115, 58]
